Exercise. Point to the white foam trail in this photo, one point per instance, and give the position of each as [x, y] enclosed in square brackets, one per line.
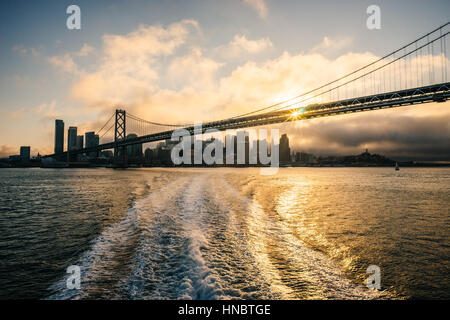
[168, 235]
[96, 262]
[203, 284]
[320, 269]
[158, 214]
[169, 255]
[255, 239]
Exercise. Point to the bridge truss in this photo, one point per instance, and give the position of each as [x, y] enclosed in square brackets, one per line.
[413, 74]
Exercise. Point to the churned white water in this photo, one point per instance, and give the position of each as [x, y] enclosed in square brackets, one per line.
[305, 233]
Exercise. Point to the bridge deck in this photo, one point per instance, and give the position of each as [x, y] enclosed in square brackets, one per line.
[427, 94]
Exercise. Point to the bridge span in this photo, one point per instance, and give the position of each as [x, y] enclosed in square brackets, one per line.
[414, 74]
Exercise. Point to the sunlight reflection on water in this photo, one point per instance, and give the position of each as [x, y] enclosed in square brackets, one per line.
[305, 233]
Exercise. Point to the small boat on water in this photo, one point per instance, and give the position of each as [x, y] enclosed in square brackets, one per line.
[397, 167]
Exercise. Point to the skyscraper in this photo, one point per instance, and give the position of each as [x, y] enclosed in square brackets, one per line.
[96, 140]
[80, 140]
[25, 154]
[285, 151]
[243, 147]
[134, 151]
[59, 136]
[255, 150]
[148, 155]
[92, 140]
[72, 138]
[247, 148]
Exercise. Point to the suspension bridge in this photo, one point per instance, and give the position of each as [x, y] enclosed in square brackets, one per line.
[416, 73]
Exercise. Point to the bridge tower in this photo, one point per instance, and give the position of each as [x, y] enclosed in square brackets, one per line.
[120, 133]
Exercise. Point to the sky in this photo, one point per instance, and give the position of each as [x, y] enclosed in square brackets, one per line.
[191, 60]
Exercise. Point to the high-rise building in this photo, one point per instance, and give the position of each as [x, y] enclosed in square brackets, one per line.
[303, 157]
[25, 153]
[285, 151]
[72, 138]
[96, 140]
[134, 151]
[80, 142]
[89, 138]
[247, 148]
[255, 150]
[59, 136]
[92, 140]
[148, 155]
[242, 147]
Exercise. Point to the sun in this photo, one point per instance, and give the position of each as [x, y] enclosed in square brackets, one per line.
[296, 113]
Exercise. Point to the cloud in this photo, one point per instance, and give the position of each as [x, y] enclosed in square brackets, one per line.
[128, 64]
[20, 48]
[401, 133]
[194, 70]
[253, 85]
[132, 73]
[259, 6]
[47, 111]
[35, 52]
[147, 41]
[18, 114]
[85, 50]
[332, 44]
[64, 63]
[143, 72]
[6, 151]
[241, 45]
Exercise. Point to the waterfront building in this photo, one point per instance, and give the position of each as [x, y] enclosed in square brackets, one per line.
[148, 155]
[92, 140]
[72, 138]
[242, 145]
[59, 136]
[285, 151]
[25, 153]
[80, 142]
[304, 158]
[134, 151]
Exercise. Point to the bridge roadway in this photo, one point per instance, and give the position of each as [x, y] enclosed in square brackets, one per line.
[427, 94]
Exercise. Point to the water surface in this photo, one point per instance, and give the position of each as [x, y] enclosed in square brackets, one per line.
[305, 233]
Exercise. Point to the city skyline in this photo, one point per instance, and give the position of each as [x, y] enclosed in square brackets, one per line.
[258, 154]
[199, 69]
[161, 153]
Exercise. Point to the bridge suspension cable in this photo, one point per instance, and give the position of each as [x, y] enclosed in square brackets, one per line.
[372, 71]
[396, 70]
[413, 74]
[108, 130]
[387, 56]
[182, 125]
[98, 132]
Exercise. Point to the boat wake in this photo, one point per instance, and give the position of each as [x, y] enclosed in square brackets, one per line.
[200, 237]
